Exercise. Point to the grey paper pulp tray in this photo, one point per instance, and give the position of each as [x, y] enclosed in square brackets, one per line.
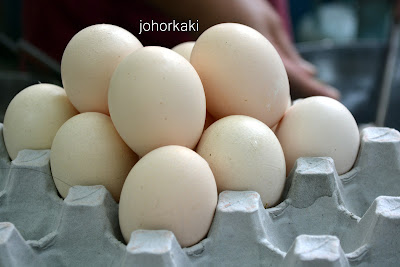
[324, 219]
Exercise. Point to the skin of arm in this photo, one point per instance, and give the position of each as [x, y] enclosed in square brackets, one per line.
[259, 15]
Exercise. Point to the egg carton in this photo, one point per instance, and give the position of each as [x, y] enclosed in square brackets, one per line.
[323, 220]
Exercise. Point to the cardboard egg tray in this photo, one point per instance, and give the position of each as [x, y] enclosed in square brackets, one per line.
[324, 219]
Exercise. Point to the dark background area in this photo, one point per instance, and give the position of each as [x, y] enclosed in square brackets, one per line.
[345, 39]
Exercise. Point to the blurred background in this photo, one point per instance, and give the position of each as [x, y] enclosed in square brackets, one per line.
[341, 21]
[347, 40]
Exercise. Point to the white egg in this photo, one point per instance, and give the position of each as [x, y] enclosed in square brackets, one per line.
[88, 62]
[156, 98]
[244, 154]
[298, 100]
[242, 73]
[184, 49]
[170, 188]
[319, 127]
[87, 150]
[34, 116]
[289, 104]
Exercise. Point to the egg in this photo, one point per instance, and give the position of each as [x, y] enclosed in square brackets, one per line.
[244, 154]
[88, 62]
[34, 116]
[156, 99]
[242, 73]
[319, 127]
[289, 104]
[170, 188]
[298, 100]
[184, 49]
[87, 150]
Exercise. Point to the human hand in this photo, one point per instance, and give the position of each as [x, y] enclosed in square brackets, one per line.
[397, 10]
[301, 73]
[303, 82]
[261, 16]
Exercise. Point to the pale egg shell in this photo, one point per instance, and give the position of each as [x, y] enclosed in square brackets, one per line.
[170, 188]
[298, 100]
[87, 150]
[184, 49]
[289, 104]
[244, 154]
[319, 127]
[34, 116]
[241, 72]
[156, 98]
[89, 61]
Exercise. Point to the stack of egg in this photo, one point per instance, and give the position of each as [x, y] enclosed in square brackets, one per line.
[150, 102]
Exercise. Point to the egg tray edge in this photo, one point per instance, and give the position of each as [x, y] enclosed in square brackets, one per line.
[324, 220]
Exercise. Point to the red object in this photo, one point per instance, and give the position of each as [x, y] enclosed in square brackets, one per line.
[49, 24]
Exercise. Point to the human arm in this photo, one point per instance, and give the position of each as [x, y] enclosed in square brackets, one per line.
[260, 15]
